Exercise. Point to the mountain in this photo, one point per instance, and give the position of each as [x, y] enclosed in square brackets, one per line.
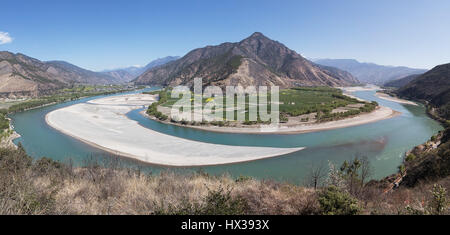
[130, 73]
[402, 81]
[333, 71]
[124, 75]
[369, 72]
[25, 76]
[432, 86]
[159, 62]
[256, 60]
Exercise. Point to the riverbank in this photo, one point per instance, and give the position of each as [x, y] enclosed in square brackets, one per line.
[11, 135]
[380, 113]
[387, 97]
[102, 123]
[30, 104]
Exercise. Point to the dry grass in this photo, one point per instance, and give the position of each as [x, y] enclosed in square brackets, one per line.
[48, 187]
[125, 193]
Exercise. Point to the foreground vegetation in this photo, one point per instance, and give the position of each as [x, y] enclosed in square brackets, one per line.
[103, 187]
[4, 125]
[293, 103]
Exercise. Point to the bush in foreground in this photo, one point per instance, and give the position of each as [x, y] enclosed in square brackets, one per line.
[336, 202]
[44, 186]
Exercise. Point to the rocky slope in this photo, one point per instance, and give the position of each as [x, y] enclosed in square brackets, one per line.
[21, 75]
[256, 60]
[433, 87]
[369, 72]
[402, 81]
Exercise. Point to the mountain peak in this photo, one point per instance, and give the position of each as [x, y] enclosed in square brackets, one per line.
[257, 35]
[256, 60]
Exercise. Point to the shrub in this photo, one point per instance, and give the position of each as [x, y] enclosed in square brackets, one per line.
[217, 202]
[402, 169]
[44, 165]
[439, 201]
[410, 157]
[242, 178]
[335, 202]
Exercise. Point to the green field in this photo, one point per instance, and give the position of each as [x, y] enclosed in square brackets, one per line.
[320, 100]
[294, 102]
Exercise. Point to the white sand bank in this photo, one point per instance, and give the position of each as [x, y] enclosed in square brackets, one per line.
[103, 124]
[393, 99]
[381, 113]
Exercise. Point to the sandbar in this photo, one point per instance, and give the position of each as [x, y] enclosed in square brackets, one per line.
[103, 123]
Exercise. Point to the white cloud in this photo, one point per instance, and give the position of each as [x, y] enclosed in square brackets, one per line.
[5, 38]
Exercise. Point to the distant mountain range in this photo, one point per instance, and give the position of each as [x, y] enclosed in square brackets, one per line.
[132, 72]
[369, 72]
[256, 60]
[432, 86]
[25, 76]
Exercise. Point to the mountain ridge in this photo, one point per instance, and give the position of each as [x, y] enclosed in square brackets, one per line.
[370, 72]
[127, 74]
[432, 86]
[256, 60]
[398, 83]
[21, 75]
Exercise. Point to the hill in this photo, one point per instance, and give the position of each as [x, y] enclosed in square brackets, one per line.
[256, 60]
[130, 73]
[21, 75]
[402, 81]
[430, 161]
[433, 87]
[369, 72]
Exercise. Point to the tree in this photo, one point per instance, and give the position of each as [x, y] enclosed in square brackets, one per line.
[335, 177]
[316, 175]
[366, 170]
[355, 173]
[336, 202]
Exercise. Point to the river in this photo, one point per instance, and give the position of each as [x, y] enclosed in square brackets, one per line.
[383, 143]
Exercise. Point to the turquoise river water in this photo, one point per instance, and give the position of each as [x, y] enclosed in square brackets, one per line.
[383, 142]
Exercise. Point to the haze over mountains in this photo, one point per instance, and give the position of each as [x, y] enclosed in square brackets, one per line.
[369, 72]
[256, 60]
[130, 73]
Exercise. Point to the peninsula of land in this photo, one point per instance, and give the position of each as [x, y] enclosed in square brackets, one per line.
[103, 123]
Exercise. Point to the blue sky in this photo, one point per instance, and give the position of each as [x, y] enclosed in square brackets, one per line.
[101, 35]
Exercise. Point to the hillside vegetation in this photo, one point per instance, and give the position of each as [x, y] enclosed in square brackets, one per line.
[44, 186]
[432, 87]
[397, 83]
